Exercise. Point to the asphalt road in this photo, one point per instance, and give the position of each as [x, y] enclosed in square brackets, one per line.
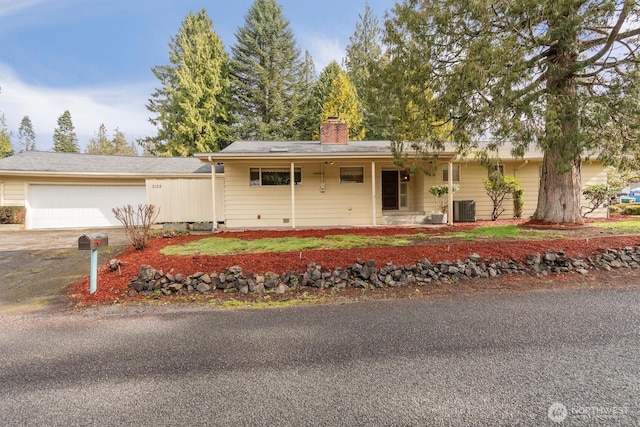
[500, 359]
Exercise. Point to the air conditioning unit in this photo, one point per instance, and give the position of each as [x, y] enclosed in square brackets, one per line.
[464, 210]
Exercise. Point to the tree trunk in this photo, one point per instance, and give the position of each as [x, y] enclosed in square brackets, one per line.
[560, 180]
[560, 193]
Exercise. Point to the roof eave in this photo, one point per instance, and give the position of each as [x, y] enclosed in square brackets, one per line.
[221, 157]
[103, 175]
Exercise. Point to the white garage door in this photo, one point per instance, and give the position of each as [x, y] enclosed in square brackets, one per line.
[77, 206]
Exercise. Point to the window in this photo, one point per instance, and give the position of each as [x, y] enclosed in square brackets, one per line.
[491, 169]
[456, 173]
[274, 176]
[351, 174]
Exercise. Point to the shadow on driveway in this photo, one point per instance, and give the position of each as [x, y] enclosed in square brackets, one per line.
[36, 266]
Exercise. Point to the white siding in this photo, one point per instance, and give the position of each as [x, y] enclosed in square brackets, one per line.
[181, 200]
[270, 206]
[593, 174]
[471, 183]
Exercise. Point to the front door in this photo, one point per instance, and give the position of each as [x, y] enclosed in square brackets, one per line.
[390, 190]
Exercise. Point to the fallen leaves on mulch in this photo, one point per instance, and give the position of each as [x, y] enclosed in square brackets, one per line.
[113, 285]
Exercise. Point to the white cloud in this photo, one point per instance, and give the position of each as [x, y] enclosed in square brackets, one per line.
[116, 106]
[323, 49]
[11, 7]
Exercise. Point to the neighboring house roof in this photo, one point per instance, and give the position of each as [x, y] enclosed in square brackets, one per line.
[54, 163]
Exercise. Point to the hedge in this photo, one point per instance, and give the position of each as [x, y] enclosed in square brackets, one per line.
[12, 214]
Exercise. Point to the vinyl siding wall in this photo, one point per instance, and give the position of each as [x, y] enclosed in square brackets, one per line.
[182, 200]
[350, 204]
[341, 204]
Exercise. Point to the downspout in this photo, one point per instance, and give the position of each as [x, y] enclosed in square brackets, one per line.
[213, 193]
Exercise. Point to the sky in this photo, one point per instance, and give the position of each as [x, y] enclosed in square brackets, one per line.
[94, 57]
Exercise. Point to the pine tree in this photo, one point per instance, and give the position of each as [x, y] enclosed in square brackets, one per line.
[306, 123]
[559, 75]
[6, 149]
[26, 135]
[100, 143]
[64, 136]
[265, 74]
[191, 106]
[363, 55]
[121, 146]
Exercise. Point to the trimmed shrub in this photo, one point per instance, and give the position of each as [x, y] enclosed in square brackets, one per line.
[632, 209]
[12, 214]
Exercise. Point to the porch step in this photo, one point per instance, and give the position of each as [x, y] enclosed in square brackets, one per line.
[404, 218]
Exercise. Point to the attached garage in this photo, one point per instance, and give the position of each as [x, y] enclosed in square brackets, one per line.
[74, 190]
[78, 206]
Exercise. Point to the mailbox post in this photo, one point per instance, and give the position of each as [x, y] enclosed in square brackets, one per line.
[93, 242]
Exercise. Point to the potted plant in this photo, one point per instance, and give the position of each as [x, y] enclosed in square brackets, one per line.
[439, 216]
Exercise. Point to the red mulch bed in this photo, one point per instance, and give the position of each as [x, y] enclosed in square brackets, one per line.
[112, 286]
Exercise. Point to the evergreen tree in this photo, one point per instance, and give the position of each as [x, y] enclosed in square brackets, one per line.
[266, 74]
[363, 54]
[64, 136]
[191, 106]
[342, 102]
[26, 135]
[121, 146]
[6, 149]
[335, 95]
[321, 91]
[306, 123]
[100, 143]
[560, 75]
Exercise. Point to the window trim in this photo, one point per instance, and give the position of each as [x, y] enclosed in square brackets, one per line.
[351, 182]
[445, 169]
[297, 170]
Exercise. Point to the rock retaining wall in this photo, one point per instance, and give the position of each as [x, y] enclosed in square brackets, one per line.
[364, 274]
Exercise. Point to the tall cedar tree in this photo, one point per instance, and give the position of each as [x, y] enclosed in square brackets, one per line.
[561, 75]
[266, 75]
[321, 91]
[64, 135]
[6, 149]
[191, 106]
[341, 101]
[26, 135]
[306, 123]
[363, 53]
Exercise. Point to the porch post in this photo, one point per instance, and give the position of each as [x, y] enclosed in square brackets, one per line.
[214, 219]
[293, 195]
[373, 192]
[450, 194]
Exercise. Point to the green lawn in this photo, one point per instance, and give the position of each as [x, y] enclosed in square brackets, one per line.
[228, 246]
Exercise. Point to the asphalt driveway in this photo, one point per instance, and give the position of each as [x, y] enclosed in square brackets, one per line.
[37, 265]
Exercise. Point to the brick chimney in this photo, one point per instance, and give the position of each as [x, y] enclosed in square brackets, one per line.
[334, 131]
